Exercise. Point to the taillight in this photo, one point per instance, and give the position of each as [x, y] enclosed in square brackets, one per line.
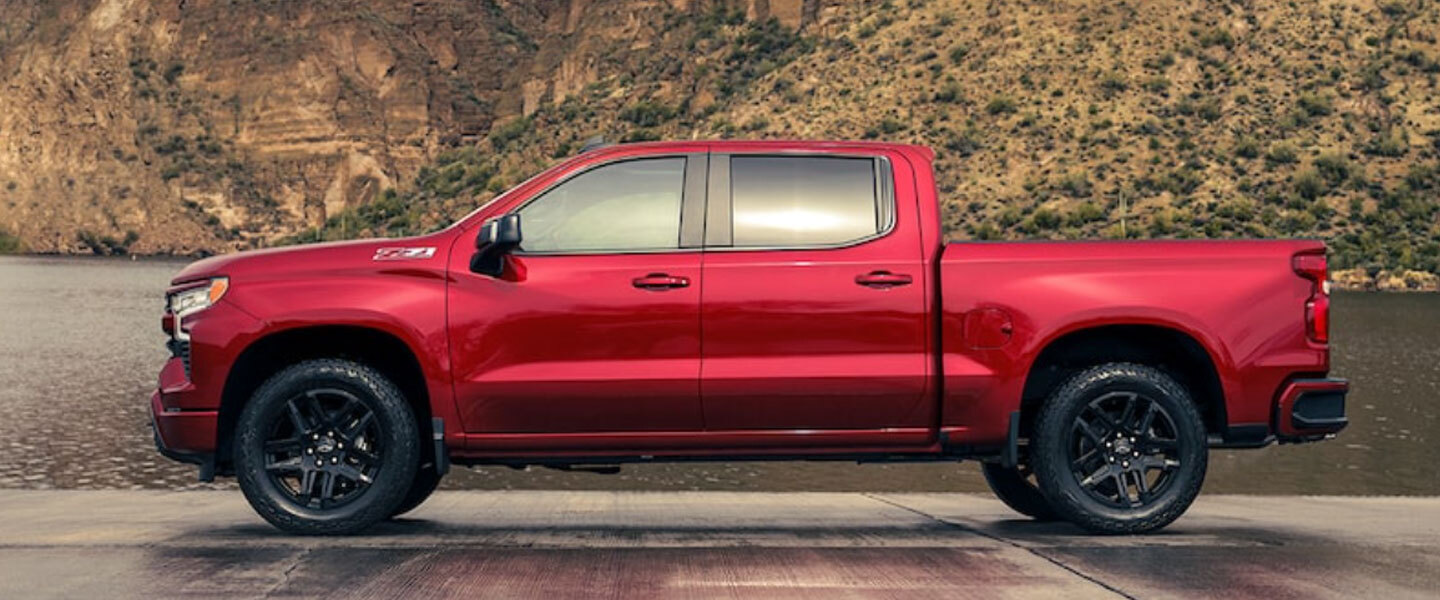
[1317, 308]
[1317, 318]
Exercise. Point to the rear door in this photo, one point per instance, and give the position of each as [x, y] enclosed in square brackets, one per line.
[813, 308]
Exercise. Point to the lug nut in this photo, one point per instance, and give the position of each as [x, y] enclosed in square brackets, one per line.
[1125, 464]
[309, 450]
[314, 436]
[334, 460]
[340, 445]
[1137, 454]
[1107, 444]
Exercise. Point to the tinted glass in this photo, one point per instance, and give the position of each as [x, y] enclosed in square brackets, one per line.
[633, 205]
[802, 201]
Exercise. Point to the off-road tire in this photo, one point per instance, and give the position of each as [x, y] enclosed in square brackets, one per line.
[426, 480]
[1013, 486]
[1056, 424]
[398, 440]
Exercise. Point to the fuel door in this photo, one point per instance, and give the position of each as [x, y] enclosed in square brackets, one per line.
[987, 328]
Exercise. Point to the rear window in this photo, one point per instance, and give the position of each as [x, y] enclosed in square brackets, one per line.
[789, 201]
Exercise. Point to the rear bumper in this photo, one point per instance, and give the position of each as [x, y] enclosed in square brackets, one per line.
[1311, 408]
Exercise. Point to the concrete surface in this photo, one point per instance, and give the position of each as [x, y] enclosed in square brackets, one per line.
[137, 544]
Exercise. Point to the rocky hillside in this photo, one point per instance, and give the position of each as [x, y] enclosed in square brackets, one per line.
[188, 126]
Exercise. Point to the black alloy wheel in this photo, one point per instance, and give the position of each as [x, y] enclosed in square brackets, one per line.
[326, 446]
[324, 449]
[1123, 449]
[1119, 448]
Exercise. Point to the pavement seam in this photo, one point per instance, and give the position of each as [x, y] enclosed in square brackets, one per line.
[1032, 551]
[285, 577]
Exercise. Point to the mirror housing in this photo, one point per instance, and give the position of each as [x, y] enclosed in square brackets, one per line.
[497, 237]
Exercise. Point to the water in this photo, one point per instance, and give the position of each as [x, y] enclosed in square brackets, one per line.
[80, 346]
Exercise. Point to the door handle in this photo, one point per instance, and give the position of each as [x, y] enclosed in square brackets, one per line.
[883, 279]
[660, 282]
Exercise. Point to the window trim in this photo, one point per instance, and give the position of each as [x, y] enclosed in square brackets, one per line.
[692, 206]
[723, 211]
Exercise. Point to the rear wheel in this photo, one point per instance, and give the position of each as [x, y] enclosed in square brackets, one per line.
[326, 447]
[1015, 486]
[1120, 448]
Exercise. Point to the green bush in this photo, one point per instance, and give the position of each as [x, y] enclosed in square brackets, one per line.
[1310, 185]
[503, 135]
[1282, 154]
[1391, 143]
[648, 114]
[958, 53]
[1046, 219]
[891, 125]
[949, 93]
[1075, 185]
[10, 244]
[1113, 83]
[1247, 147]
[1217, 37]
[1001, 105]
[1316, 105]
[1334, 167]
[964, 143]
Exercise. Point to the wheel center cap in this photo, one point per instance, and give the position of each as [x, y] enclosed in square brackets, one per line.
[325, 445]
[1122, 447]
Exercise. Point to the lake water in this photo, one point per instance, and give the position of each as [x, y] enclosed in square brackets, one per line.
[80, 346]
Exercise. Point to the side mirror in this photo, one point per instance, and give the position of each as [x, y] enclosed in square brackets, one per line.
[497, 237]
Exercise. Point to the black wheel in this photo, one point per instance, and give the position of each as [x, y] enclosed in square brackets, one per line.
[426, 480]
[1120, 448]
[326, 447]
[1015, 486]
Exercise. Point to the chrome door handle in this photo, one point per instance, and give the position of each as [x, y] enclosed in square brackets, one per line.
[883, 279]
[659, 282]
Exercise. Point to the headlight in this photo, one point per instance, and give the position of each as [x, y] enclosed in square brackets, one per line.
[199, 298]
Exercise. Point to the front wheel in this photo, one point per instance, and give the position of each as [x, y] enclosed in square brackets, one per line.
[326, 447]
[426, 480]
[1015, 486]
[1120, 448]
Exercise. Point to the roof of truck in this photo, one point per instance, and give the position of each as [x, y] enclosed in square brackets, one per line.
[770, 146]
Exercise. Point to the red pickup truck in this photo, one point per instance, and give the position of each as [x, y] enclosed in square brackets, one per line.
[740, 300]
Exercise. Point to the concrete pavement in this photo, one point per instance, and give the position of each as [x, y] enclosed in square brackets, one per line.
[139, 544]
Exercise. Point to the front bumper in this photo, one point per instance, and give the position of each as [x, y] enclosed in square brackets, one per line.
[1311, 409]
[185, 435]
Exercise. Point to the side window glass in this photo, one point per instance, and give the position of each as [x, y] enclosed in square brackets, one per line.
[790, 201]
[625, 206]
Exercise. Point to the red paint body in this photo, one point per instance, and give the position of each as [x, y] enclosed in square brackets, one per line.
[751, 352]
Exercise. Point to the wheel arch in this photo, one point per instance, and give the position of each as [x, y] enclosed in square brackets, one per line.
[1172, 349]
[267, 355]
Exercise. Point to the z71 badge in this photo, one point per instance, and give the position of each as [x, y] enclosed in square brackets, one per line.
[404, 253]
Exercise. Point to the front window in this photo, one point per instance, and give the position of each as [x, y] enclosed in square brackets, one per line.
[625, 206]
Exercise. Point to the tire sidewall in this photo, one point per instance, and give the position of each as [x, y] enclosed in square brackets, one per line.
[1052, 461]
[399, 447]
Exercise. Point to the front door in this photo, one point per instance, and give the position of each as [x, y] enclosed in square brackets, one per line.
[814, 300]
[596, 325]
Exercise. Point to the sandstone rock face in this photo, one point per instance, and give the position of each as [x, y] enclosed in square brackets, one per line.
[196, 127]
